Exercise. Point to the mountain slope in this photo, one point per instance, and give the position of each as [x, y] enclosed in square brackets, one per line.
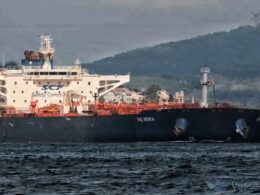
[234, 58]
[234, 53]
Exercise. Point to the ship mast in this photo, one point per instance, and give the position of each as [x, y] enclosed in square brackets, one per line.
[46, 50]
[205, 84]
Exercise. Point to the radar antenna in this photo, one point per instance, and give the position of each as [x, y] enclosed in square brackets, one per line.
[255, 18]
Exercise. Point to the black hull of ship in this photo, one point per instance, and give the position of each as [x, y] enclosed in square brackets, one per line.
[153, 125]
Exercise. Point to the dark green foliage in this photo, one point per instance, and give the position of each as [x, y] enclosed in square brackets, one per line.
[234, 59]
[12, 65]
[151, 93]
[234, 54]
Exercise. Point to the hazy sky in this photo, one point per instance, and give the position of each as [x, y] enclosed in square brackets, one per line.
[93, 29]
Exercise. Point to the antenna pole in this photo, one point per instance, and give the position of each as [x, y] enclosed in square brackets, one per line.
[3, 59]
[214, 94]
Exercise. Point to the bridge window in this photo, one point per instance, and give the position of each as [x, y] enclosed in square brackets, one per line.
[43, 73]
[62, 73]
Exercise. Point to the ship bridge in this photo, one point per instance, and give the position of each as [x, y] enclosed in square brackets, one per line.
[47, 84]
[70, 72]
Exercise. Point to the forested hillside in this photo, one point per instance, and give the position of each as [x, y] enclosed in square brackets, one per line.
[234, 58]
[234, 53]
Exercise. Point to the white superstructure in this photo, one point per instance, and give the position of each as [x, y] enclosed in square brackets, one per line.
[61, 85]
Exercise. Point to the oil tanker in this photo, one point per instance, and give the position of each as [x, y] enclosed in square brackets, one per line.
[45, 103]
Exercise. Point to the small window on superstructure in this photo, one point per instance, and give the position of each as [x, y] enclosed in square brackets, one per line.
[59, 91]
[15, 82]
[25, 101]
[22, 91]
[88, 101]
[77, 82]
[48, 83]
[59, 83]
[33, 82]
[26, 82]
[13, 91]
[68, 83]
[89, 83]
[90, 92]
[13, 101]
[82, 92]
[60, 101]
[45, 101]
[39, 83]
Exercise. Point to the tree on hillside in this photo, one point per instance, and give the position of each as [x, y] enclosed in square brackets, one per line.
[11, 65]
[151, 93]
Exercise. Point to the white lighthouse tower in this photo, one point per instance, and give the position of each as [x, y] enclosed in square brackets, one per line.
[205, 70]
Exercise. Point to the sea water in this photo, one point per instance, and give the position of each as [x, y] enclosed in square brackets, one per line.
[130, 168]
